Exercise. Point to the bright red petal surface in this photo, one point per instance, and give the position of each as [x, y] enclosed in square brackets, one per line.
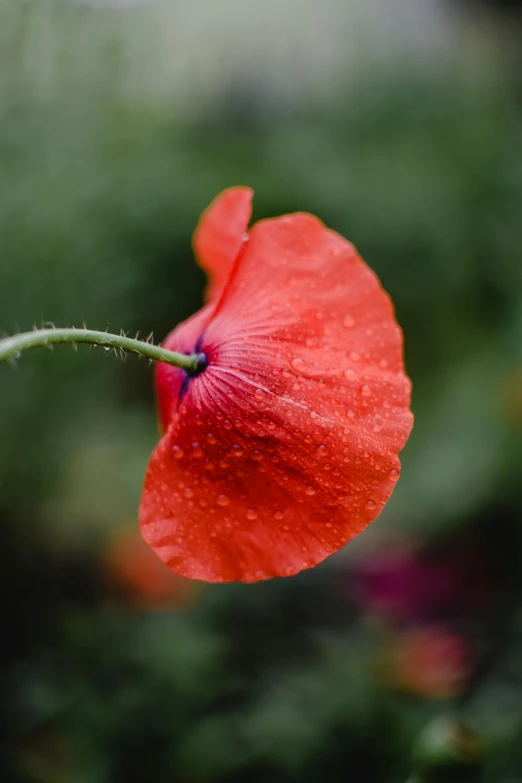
[220, 234]
[285, 447]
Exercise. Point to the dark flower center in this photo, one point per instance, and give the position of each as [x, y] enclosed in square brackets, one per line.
[201, 366]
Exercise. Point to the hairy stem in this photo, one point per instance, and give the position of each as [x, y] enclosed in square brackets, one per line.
[12, 347]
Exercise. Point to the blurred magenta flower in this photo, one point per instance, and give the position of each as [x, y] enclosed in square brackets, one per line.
[402, 584]
[397, 584]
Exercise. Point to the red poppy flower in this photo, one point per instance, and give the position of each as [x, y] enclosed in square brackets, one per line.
[284, 447]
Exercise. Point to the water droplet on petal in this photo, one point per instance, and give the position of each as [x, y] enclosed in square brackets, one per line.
[299, 365]
[188, 492]
[259, 394]
[350, 374]
[394, 474]
[251, 514]
[365, 390]
[223, 500]
[236, 451]
[370, 503]
[177, 452]
[348, 321]
[278, 515]
[196, 450]
[310, 491]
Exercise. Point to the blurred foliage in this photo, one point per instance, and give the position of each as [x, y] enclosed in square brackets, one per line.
[279, 681]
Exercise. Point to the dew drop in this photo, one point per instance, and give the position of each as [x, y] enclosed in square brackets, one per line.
[257, 455]
[196, 450]
[322, 451]
[354, 356]
[188, 492]
[310, 491]
[223, 500]
[394, 474]
[177, 452]
[211, 439]
[299, 365]
[365, 390]
[259, 394]
[348, 321]
[350, 374]
[278, 515]
[251, 514]
[286, 372]
[370, 503]
[236, 451]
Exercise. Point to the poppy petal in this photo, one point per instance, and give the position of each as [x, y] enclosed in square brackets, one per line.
[220, 234]
[285, 447]
[169, 379]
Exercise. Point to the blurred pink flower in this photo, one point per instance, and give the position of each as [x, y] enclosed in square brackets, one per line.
[430, 661]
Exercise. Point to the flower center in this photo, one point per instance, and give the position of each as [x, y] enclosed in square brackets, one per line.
[201, 366]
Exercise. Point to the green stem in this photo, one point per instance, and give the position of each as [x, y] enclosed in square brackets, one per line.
[12, 347]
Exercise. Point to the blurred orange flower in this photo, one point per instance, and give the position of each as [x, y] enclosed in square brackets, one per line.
[136, 571]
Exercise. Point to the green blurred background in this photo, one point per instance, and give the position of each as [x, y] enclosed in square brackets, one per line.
[400, 125]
